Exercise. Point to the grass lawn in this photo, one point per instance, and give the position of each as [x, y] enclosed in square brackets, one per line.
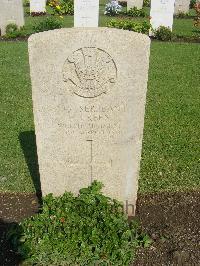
[16, 115]
[172, 126]
[170, 159]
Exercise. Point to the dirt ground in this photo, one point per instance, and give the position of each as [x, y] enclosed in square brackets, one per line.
[173, 222]
[171, 219]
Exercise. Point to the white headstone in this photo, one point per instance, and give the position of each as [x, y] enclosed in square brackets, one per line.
[182, 6]
[134, 3]
[162, 13]
[37, 6]
[86, 13]
[89, 103]
[11, 11]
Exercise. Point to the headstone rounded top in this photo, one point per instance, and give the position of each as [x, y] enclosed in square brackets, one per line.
[50, 33]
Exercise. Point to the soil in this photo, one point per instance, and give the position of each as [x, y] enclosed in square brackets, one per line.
[172, 220]
[13, 209]
[18, 39]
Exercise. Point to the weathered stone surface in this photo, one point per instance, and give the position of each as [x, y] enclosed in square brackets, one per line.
[37, 6]
[182, 6]
[134, 3]
[162, 13]
[11, 11]
[89, 90]
[86, 13]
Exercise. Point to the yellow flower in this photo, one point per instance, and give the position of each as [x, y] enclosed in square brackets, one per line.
[58, 7]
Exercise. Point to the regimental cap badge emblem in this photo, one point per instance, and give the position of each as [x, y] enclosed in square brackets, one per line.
[91, 72]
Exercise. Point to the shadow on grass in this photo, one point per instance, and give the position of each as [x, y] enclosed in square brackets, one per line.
[28, 145]
[8, 256]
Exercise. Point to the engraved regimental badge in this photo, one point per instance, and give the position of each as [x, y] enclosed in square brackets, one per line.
[90, 72]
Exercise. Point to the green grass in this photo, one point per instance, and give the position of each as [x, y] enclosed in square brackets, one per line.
[185, 27]
[171, 137]
[172, 126]
[16, 115]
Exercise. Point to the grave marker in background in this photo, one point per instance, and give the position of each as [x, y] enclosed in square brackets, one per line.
[89, 104]
[37, 6]
[182, 6]
[86, 13]
[11, 11]
[134, 3]
[162, 13]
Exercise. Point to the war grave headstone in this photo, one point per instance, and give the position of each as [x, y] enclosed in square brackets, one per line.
[86, 13]
[182, 6]
[11, 11]
[162, 13]
[134, 3]
[37, 6]
[89, 105]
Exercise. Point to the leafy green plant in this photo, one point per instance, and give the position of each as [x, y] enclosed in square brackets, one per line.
[11, 28]
[182, 15]
[142, 27]
[62, 7]
[88, 229]
[26, 3]
[146, 3]
[192, 3]
[12, 31]
[163, 34]
[49, 23]
[135, 12]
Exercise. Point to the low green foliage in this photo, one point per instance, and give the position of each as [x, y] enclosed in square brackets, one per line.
[62, 7]
[146, 3]
[11, 28]
[142, 27]
[182, 15]
[49, 23]
[26, 3]
[12, 31]
[89, 229]
[192, 3]
[135, 12]
[163, 34]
